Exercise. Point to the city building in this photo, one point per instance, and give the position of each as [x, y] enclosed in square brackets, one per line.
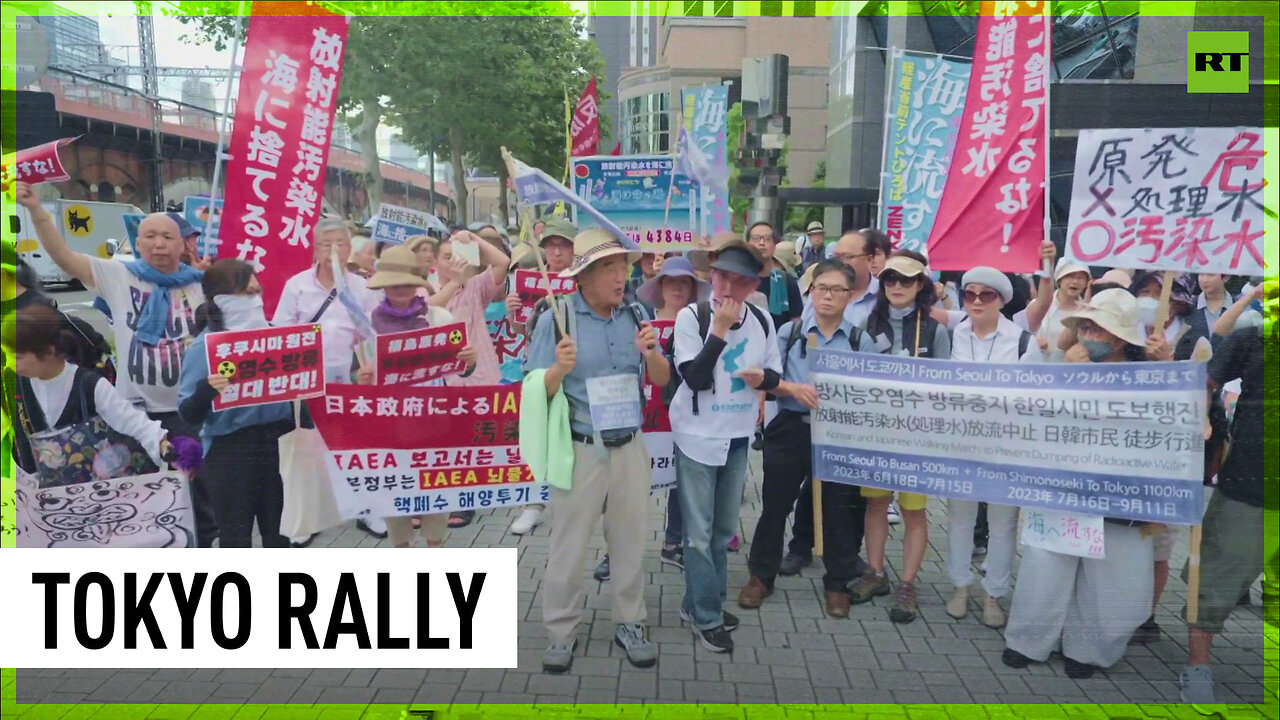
[624, 42]
[693, 51]
[75, 41]
[1112, 67]
[199, 93]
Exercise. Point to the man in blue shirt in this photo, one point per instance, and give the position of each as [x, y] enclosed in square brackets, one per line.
[601, 379]
[788, 456]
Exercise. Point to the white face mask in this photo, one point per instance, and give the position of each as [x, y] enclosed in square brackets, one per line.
[241, 312]
[1147, 309]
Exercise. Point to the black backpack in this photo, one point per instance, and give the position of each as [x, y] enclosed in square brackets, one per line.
[855, 339]
[703, 313]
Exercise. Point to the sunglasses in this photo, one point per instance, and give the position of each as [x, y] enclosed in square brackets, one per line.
[986, 296]
[891, 279]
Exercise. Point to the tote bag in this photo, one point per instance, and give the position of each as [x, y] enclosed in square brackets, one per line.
[309, 504]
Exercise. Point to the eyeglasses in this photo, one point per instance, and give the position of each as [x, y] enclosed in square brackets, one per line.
[891, 279]
[986, 296]
[829, 290]
[760, 238]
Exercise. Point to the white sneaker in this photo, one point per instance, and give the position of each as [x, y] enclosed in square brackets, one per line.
[376, 524]
[529, 518]
[958, 605]
[895, 517]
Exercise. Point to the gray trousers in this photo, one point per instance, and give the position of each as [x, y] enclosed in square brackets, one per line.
[1089, 607]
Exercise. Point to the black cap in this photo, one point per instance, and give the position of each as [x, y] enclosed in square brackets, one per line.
[738, 260]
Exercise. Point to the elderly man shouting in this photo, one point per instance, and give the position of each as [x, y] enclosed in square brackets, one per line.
[602, 380]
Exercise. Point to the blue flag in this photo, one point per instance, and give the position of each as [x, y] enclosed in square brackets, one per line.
[535, 187]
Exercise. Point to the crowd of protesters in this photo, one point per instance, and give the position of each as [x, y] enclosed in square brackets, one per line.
[746, 309]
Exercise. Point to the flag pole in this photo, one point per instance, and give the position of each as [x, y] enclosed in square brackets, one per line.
[671, 184]
[225, 122]
[526, 235]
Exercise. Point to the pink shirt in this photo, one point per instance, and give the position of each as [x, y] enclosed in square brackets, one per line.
[468, 306]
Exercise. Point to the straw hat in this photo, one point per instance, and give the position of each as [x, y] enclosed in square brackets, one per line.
[785, 254]
[525, 256]
[417, 241]
[806, 280]
[1115, 311]
[397, 267]
[592, 245]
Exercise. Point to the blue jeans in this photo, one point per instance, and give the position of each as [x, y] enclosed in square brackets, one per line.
[710, 498]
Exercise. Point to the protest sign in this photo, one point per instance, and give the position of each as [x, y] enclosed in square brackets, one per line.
[280, 144]
[585, 127]
[508, 343]
[705, 111]
[141, 511]
[657, 423]
[632, 191]
[396, 224]
[1063, 533]
[531, 286]
[39, 164]
[993, 204]
[1178, 199]
[412, 451]
[1121, 440]
[267, 365]
[131, 223]
[922, 117]
[417, 356]
[202, 217]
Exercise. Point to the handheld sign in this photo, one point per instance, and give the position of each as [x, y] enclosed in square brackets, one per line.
[417, 356]
[267, 365]
[532, 287]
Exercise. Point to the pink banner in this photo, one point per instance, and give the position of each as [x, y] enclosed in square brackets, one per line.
[280, 144]
[39, 164]
[418, 356]
[992, 210]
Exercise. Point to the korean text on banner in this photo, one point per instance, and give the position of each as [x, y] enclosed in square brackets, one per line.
[415, 451]
[196, 210]
[39, 164]
[585, 127]
[1123, 440]
[532, 287]
[417, 356]
[992, 207]
[657, 423]
[632, 191]
[1187, 199]
[706, 118]
[280, 144]
[926, 99]
[396, 224]
[267, 365]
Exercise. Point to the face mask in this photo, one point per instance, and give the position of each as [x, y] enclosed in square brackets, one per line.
[241, 312]
[1098, 350]
[1147, 309]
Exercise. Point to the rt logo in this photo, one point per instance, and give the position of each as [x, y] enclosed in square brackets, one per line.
[1218, 62]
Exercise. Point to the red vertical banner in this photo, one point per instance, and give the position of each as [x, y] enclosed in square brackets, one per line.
[585, 127]
[280, 143]
[992, 210]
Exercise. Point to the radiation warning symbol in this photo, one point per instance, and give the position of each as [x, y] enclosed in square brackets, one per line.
[78, 220]
[227, 369]
[455, 337]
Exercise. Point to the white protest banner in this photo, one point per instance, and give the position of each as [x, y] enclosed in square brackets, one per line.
[141, 511]
[1063, 533]
[1179, 199]
[1123, 440]
[396, 224]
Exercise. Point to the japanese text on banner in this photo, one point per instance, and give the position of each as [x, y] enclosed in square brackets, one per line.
[993, 204]
[39, 164]
[417, 356]
[531, 286]
[632, 192]
[280, 144]
[396, 224]
[706, 118]
[412, 451]
[925, 103]
[1186, 199]
[267, 365]
[1121, 440]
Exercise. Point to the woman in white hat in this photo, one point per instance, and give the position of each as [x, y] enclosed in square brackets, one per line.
[1045, 314]
[1088, 607]
[985, 336]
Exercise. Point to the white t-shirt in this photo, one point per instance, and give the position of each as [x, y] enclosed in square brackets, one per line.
[300, 300]
[146, 372]
[731, 410]
[52, 396]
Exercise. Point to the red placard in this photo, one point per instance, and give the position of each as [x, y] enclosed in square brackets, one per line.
[280, 144]
[531, 287]
[416, 356]
[992, 209]
[656, 418]
[585, 127]
[39, 164]
[269, 365]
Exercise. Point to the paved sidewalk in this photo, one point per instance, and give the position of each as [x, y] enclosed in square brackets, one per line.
[787, 652]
